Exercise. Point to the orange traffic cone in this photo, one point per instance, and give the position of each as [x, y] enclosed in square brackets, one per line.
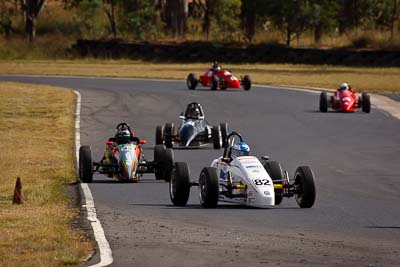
[18, 196]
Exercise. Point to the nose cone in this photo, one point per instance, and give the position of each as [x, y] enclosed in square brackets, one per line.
[187, 134]
[127, 160]
[347, 103]
[127, 168]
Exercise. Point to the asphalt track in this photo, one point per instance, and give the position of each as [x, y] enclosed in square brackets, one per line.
[355, 158]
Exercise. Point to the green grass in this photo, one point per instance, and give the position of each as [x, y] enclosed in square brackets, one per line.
[37, 130]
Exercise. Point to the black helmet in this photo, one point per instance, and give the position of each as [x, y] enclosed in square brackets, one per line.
[193, 110]
[123, 136]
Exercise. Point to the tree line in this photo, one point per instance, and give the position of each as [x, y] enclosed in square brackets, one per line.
[229, 20]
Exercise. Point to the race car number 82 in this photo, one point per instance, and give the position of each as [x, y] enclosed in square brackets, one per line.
[261, 181]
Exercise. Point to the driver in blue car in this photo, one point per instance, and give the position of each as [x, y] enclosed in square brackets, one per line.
[194, 111]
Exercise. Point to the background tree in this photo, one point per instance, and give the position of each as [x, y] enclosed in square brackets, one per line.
[6, 14]
[324, 17]
[387, 16]
[176, 14]
[292, 17]
[142, 18]
[109, 9]
[32, 9]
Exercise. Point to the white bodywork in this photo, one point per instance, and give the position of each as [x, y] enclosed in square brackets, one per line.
[246, 170]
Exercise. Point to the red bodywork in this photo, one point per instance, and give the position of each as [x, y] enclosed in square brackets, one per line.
[225, 79]
[345, 100]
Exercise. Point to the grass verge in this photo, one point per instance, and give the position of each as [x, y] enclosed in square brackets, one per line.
[366, 79]
[37, 138]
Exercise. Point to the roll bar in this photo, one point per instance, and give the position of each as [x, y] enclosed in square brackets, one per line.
[229, 143]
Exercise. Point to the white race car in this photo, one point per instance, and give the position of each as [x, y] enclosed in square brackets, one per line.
[244, 180]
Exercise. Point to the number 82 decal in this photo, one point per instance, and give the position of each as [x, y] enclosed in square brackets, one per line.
[261, 181]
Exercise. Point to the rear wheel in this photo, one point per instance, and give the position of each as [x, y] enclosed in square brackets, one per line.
[159, 135]
[224, 132]
[214, 82]
[169, 130]
[304, 186]
[85, 164]
[192, 81]
[323, 102]
[366, 103]
[179, 186]
[208, 188]
[164, 158]
[246, 82]
[274, 170]
[216, 137]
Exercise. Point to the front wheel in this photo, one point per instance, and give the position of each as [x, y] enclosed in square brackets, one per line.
[169, 130]
[85, 164]
[208, 188]
[323, 102]
[224, 132]
[192, 81]
[246, 82]
[179, 186]
[274, 170]
[304, 187]
[159, 135]
[216, 137]
[366, 103]
[164, 159]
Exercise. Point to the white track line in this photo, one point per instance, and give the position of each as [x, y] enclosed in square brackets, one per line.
[104, 247]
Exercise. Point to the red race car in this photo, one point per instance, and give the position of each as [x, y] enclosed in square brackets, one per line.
[216, 77]
[345, 99]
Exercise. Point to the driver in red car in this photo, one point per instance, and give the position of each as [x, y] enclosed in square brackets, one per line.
[344, 86]
[215, 67]
[123, 135]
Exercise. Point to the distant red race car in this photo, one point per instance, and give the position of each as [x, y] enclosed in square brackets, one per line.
[345, 99]
[216, 77]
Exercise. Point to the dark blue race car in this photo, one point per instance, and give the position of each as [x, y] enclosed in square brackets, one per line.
[194, 130]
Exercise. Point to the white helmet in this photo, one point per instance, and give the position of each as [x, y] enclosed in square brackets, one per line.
[344, 86]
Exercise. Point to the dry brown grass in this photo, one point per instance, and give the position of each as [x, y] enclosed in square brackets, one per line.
[363, 78]
[37, 129]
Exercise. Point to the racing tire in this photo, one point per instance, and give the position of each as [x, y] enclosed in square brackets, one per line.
[208, 188]
[164, 158]
[224, 132]
[159, 135]
[214, 83]
[274, 170]
[246, 82]
[359, 102]
[169, 130]
[85, 164]
[323, 102]
[192, 81]
[366, 103]
[304, 187]
[179, 186]
[216, 137]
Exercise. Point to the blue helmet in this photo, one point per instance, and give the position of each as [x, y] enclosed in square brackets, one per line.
[240, 149]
